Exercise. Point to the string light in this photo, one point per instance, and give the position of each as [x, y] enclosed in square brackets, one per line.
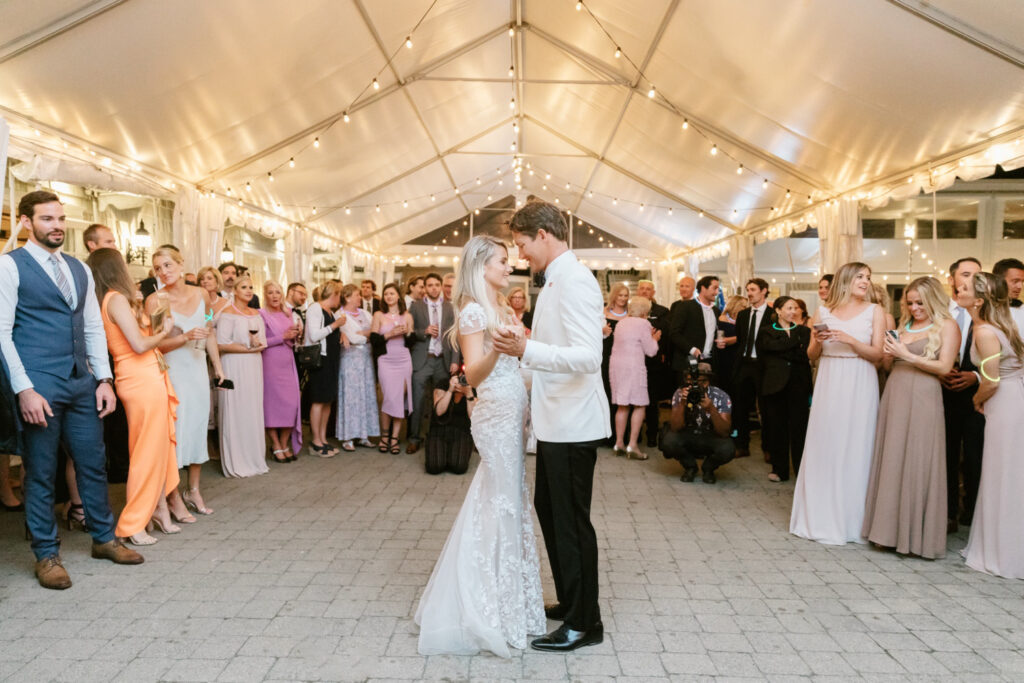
[618, 52]
[433, 198]
[348, 211]
[346, 118]
[270, 176]
[651, 93]
[511, 31]
[405, 204]
[641, 207]
[511, 71]
[376, 84]
[248, 186]
[512, 103]
[378, 208]
[670, 211]
[739, 170]
[547, 176]
[788, 194]
[615, 201]
[291, 163]
[579, 6]
[686, 123]
[764, 184]
[316, 143]
[408, 42]
[714, 150]
[229, 191]
[314, 210]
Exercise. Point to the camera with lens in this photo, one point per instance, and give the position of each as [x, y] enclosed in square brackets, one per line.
[695, 392]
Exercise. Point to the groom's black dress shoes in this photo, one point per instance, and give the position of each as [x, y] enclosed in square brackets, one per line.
[556, 611]
[564, 639]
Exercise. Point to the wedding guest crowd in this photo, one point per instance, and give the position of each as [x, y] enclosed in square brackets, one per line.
[906, 431]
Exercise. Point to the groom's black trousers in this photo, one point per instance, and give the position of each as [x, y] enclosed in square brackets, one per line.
[565, 483]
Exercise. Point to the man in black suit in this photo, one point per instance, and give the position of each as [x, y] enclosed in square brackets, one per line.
[1012, 271]
[368, 292]
[965, 427]
[659, 377]
[746, 379]
[433, 356]
[692, 326]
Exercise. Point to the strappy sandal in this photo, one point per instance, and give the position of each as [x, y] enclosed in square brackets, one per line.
[395, 447]
[189, 498]
[74, 516]
[348, 447]
[636, 454]
[281, 460]
[385, 441]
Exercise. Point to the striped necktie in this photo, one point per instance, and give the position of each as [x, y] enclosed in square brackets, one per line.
[62, 282]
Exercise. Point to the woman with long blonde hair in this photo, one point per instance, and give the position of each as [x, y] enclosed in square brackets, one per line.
[996, 543]
[906, 501]
[828, 503]
[485, 593]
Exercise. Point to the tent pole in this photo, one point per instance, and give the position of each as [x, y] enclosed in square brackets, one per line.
[471, 216]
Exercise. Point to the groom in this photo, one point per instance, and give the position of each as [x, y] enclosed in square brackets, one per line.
[570, 417]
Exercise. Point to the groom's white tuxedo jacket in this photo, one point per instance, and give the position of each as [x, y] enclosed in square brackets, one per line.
[568, 402]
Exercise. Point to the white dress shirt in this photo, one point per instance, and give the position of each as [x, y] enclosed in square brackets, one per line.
[758, 313]
[316, 331]
[95, 337]
[710, 327]
[963, 319]
[434, 311]
[1018, 317]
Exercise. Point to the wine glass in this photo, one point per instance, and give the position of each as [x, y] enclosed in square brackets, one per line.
[254, 330]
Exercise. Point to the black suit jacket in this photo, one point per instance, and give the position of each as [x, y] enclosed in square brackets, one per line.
[742, 333]
[687, 330]
[783, 358]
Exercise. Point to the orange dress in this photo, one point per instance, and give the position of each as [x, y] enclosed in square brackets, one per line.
[150, 404]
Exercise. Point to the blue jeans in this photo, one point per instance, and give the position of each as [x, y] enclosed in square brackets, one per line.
[76, 422]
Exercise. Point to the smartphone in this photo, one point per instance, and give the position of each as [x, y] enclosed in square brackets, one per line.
[893, 335]
[821, 327]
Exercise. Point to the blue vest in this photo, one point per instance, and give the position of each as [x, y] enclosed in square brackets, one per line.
[49, 336]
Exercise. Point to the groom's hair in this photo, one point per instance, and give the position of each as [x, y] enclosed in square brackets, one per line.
[538, 215]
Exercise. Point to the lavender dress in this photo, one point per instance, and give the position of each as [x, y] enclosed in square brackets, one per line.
[394, 371]
[627, 371]
[281, 398]
[357, 390]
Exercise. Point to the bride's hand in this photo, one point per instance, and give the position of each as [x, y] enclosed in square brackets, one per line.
[509, 341]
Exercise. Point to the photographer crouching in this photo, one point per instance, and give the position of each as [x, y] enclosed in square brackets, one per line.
[700, 425]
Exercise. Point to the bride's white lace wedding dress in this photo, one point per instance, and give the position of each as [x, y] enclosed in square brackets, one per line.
[485, 592]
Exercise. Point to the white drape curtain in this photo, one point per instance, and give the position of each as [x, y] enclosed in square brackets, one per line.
[740, 262]
[839, 234]
[345, 268]
[665, 277]
[5, 139]
[198, 228]
[298, 256]
[693, 266]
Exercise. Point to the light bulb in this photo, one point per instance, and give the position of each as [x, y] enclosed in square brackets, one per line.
[478, 181]
[651, 93]
[544, 187]
[378, 208]
[686, 124]
[512, 103]
[511, 71]
[547, 176]
[579, 6]
[764, 184]
[567, 186]
[376, 84]
[314, 210]
[433, 198]
[615, 201]
[316, 142]
[531, 171]
[788, 194]
[270, 176]
[348, 211]
[511, 31]
[700, 214]
[408, 42]
[641, 207]
[714, 150]
[346, 118]
[239, 201]
[456, 190]
[809, 200]
[515, 127]
[590, 194]
[405, 204]
[618, 52]
[556, 200]
[670, 211]
[512, 146]
[291, 163]
[579, 221]
[229, 191]
[248, 186]
[477, 212]
[739, 170]
[489, 197]
[734, 212]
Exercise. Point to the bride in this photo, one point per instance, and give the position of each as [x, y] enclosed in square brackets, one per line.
[485, 593]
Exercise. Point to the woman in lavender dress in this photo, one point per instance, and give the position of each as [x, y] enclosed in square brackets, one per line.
[282, 414]
[357, 389]
[394, 368]
[632, 339]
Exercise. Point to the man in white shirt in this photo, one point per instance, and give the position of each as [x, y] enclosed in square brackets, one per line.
[570, 417]
[965, 427]
[434, 359]
[1012, 271]
[52, 340]
[693, 324]
[746, 380]
[368, 294]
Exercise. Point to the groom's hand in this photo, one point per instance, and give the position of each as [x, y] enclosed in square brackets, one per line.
[508, 342]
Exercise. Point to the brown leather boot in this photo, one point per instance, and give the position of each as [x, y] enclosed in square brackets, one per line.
[116, 552]
[51, 573]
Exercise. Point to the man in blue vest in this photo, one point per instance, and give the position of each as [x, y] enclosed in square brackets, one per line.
[51, 336]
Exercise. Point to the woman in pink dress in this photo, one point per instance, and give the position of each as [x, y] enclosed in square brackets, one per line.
[394, 368]
[282, 415]
[633, 338]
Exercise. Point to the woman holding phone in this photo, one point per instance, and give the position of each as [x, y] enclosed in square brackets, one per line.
[828, 503]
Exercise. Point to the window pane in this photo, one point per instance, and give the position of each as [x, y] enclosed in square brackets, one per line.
[1013, 219]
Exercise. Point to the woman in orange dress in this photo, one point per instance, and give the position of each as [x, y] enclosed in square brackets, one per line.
[145, 390]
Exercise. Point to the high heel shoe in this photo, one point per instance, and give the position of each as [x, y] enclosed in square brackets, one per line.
[635, 453]
[169, 529]
[74, 517]
[190, 502]
[141, 538]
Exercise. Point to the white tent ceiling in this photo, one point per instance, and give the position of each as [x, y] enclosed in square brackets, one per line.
[816, 97]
